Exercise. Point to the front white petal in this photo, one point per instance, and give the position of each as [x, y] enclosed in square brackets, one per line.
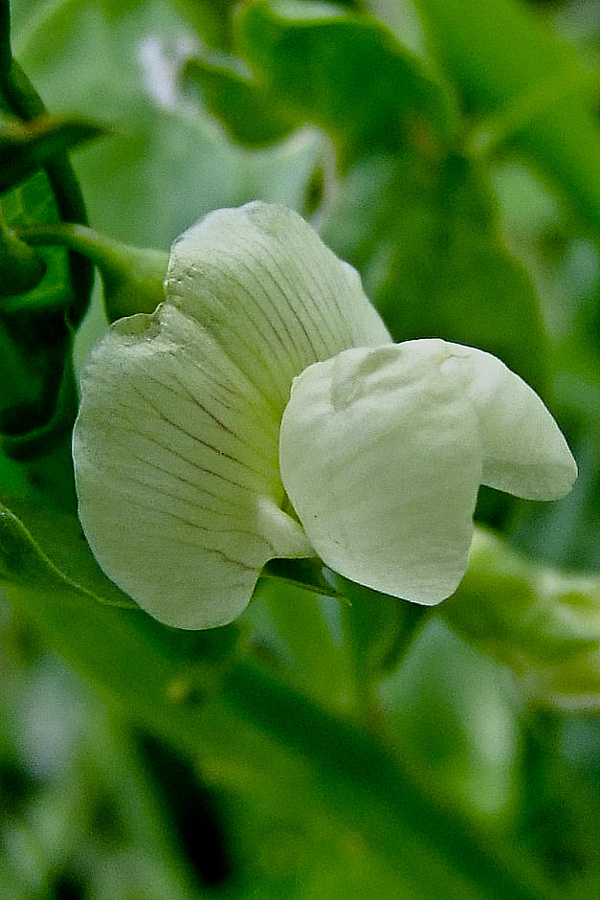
[381, 458]
[524, 450]
[176, 444]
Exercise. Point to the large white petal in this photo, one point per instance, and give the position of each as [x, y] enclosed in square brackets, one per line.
[176, 444]
[381, 458]
[262, 284]
[176, 471]
[524, 450]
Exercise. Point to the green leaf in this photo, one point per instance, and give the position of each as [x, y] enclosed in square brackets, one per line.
[187, 687]
[531, 85]
[102, 641]
[66, 560]
[343, 72]
[25, 566]
[425, 238]
[164, 166]
[253, 117]
[212, 19]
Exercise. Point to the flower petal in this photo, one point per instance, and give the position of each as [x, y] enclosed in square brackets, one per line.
[381, 458]
[176, 443]
[524, 450]
[264, 286]
[177, 477]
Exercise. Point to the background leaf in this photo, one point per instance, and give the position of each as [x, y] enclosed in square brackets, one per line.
[316, 58]
[542, 103]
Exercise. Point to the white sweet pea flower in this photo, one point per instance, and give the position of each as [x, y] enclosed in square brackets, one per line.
[263, 411]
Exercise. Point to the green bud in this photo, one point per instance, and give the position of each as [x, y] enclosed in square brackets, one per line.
[543, 623]
[519, 609]
[573, 684]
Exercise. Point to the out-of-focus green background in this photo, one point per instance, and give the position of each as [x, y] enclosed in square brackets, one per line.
[451, 151]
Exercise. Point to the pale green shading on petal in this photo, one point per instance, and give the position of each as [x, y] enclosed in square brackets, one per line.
[176, 444]
[524, 450]
[381, 458]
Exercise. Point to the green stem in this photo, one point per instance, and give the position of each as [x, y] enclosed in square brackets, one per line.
[18, 96]
[319, 660]
[23, 101]
[132, 277]
[378, 631]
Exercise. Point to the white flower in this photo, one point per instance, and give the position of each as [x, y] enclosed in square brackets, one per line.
[195, 466]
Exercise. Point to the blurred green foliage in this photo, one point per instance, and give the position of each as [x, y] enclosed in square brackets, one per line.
[318, 747]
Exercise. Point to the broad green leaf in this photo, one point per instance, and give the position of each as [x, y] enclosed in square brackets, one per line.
[419, 224]
[535, 92]
[74, 620]
[212, 19]
[58, 554]
[425, 238]
[187, 688]
[343, 72]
